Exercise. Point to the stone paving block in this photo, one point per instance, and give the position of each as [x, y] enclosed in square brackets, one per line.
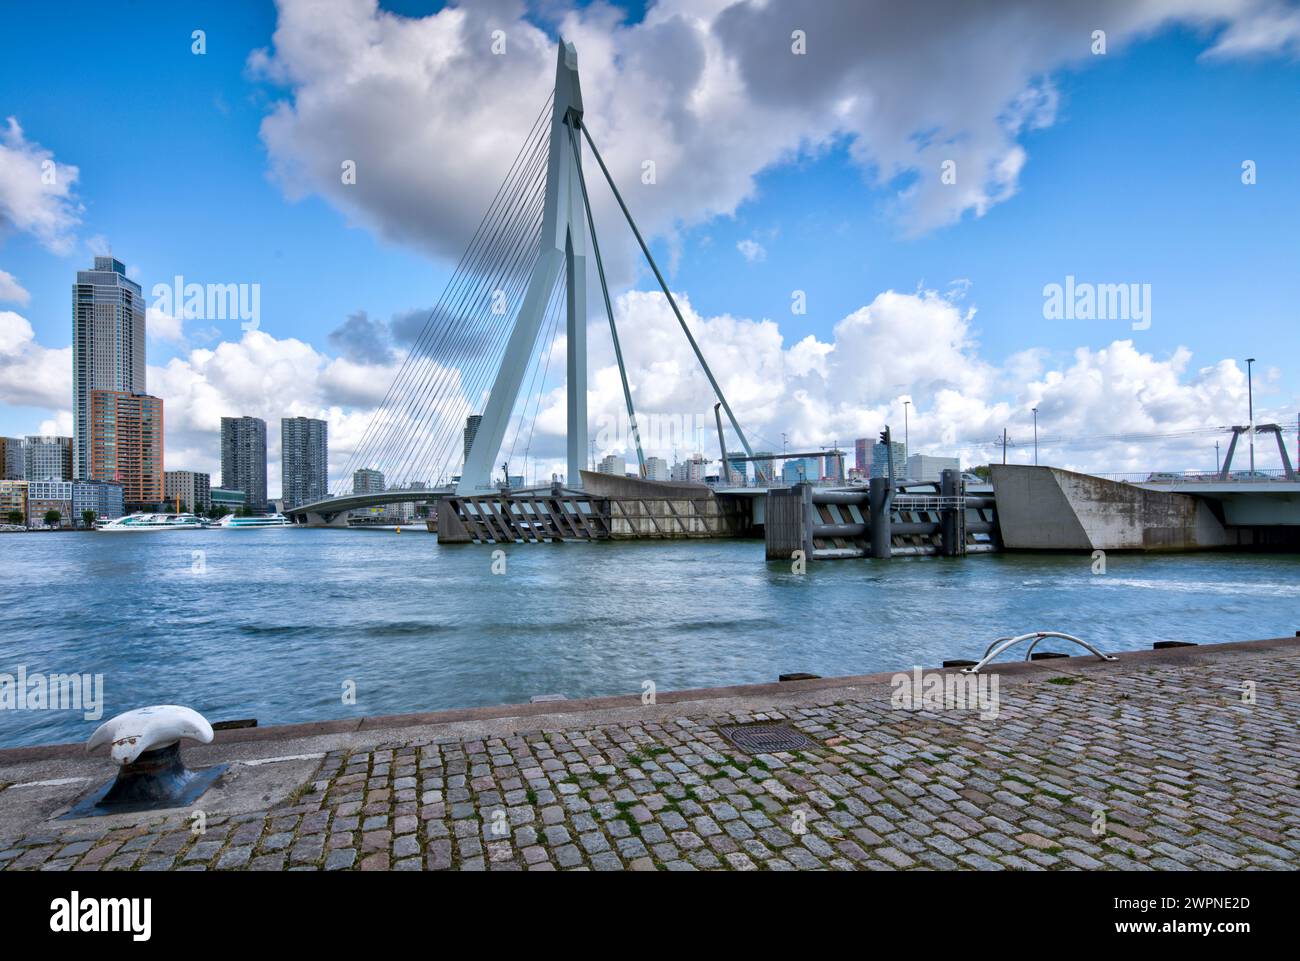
[894, 857]
[568, 856]
[340, 859]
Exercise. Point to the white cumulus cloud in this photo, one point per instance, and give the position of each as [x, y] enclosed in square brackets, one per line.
[262, 376]
[11, 291]
[36, 193]
[32, 375]
[713, 93]
[1093, 404]
[164, 326]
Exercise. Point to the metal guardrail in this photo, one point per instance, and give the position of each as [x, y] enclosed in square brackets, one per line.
[751, 483]
[933, 502]
[1270, 476]
[1005, 643]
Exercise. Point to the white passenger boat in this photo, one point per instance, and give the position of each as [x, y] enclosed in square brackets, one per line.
[154, 522]
[233, 522]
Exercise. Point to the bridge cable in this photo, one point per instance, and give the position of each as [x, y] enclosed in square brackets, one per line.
[645, 249]
[447, 382]
[467, 382]
[609, 310]
[415, 351]
[462, 381]
[380, 422]
[435, 374]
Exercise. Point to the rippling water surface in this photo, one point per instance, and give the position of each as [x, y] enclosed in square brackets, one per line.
[281, 618]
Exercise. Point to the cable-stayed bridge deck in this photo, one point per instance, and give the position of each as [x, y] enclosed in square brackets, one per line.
[333, 511]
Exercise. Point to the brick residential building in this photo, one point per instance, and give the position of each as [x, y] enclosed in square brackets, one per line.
[126, 445]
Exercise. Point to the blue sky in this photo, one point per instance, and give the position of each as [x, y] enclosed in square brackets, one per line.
[1136, 179]
[173, 174]
[1139, 180]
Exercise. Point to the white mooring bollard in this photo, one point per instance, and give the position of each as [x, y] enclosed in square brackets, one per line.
[145, 744]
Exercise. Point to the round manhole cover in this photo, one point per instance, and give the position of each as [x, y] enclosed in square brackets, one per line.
[764, 738]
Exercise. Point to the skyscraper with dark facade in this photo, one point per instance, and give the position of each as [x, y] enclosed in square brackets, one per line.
[11, 458]
[304, 460]
[862, 454]
[880, 459]
[107, 345]
[243, 459]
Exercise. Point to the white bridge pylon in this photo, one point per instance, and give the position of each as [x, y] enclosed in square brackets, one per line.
[565, 239]
[563, 247]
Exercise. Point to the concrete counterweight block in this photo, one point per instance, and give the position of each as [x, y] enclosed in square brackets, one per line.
[145, 744]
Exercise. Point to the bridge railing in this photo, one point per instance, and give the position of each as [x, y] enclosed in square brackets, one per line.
[1245, 476]
[934, 502]
[818, 484]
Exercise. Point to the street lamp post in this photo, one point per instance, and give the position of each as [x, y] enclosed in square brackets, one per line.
[1250, 395]
[1035, 436]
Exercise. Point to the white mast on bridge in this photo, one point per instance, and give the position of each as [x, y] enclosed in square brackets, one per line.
[565, 239]
[563, 246]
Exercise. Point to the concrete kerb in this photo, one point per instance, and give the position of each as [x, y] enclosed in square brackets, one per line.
[369, 730]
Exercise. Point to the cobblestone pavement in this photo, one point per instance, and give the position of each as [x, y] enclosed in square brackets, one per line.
[1163, 767]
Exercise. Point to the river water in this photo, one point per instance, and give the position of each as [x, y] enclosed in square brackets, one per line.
[271, 624]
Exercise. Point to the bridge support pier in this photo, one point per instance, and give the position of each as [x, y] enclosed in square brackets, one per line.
[451, 530]
[315, 519]
[810, 516]
[952, 518]
[788, 522]
[881, 533]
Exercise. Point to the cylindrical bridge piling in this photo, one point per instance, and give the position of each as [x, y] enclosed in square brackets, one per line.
[879, 497]
[952, 516]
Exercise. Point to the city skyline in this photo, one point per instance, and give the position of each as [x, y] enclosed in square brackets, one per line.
[916, 290]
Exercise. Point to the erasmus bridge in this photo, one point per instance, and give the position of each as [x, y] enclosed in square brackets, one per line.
[488, 344]
[492, 331]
